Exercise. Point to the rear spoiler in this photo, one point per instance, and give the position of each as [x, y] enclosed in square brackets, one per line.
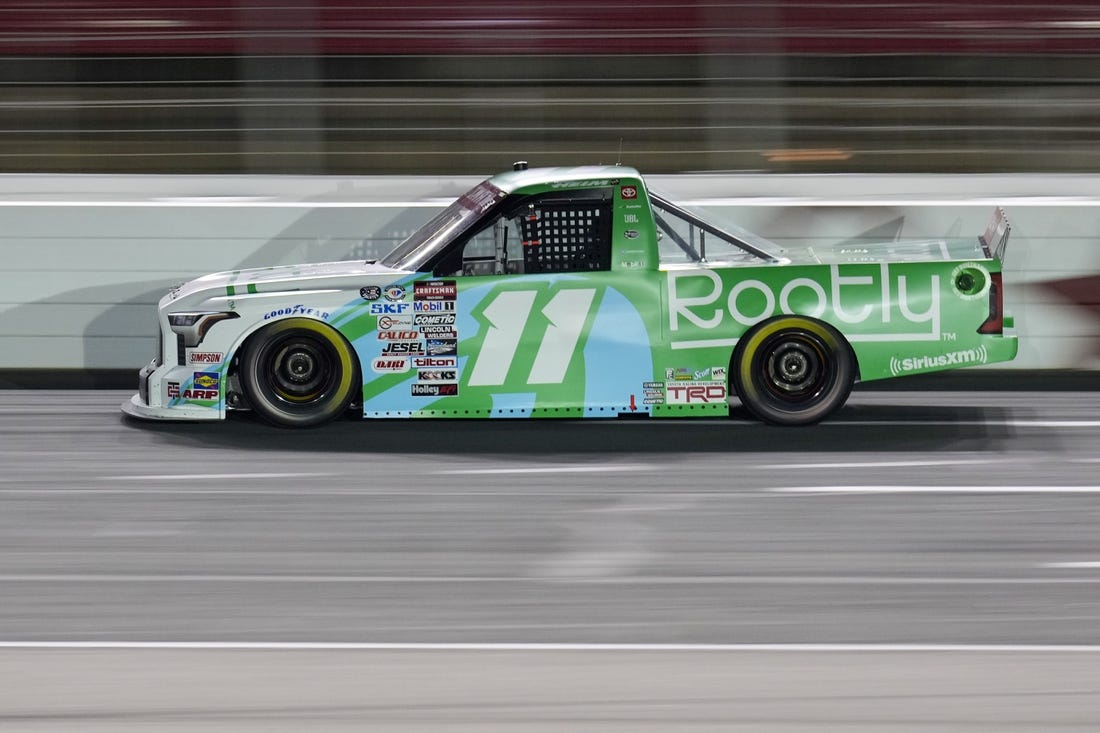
[995, 238]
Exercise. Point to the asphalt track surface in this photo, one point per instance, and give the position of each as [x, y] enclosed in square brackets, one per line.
[924, 561]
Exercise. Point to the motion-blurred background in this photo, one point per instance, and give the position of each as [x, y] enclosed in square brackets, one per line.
[432, 86]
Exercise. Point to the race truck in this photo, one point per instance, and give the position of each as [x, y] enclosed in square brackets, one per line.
[576, 293]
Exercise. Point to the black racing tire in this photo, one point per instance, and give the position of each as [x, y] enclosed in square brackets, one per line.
[792, 370]
[298, 372]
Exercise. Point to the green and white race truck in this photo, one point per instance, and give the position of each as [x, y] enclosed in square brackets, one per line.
[576, 292]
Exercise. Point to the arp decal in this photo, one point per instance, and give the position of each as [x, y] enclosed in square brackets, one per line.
[203, 395]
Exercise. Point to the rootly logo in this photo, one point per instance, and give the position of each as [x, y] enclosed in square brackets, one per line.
[704, 299]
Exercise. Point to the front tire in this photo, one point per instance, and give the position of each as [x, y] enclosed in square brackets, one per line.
[298, 372]
[792, 370]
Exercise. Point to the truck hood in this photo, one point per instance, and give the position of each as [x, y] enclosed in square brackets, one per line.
[287, 278]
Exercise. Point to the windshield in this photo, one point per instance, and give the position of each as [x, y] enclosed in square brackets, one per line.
[469, 208]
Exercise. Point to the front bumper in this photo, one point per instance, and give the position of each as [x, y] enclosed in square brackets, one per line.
[151, 403]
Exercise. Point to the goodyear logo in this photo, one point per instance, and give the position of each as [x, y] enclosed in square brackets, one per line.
[207, 380]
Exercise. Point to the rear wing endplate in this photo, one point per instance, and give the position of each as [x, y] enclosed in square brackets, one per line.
[995, 238]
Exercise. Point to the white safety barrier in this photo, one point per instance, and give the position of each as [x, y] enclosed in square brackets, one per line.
[85, 258]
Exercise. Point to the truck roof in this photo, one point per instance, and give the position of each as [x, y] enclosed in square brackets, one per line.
[515, 180]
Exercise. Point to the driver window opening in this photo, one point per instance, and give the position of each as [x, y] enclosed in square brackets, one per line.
[555, 232]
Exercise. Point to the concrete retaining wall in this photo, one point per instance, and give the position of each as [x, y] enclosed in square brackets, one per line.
[86, 258]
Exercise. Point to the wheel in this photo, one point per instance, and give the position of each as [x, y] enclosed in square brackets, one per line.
[791, 370]
[298, 372]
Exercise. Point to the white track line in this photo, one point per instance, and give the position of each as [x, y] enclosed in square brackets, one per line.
[884, 464]
[1083, 565]
[550, 647]
[934, 490]
[215, 476]
[541, 469]
[967, 423]
[653, 580]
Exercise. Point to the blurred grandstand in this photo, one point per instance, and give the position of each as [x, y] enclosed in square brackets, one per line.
[429, 86]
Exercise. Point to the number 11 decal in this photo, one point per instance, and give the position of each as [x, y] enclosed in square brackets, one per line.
[508, 315]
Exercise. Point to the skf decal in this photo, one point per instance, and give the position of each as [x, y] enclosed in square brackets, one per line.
[389, 309]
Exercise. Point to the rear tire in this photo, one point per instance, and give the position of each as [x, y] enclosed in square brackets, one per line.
[792, 370]
[298, 372]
